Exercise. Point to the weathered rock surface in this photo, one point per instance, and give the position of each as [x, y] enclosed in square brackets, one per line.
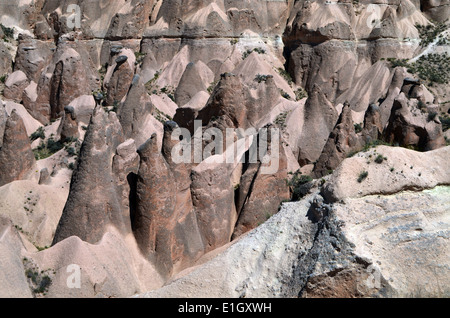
[322, 72]
[348, 248]
[15, 145]
[15, 85]
[95, 197]
[408, 127]
[12, 273]
[341, 142]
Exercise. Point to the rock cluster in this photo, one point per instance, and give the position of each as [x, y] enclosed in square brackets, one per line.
[100, 100]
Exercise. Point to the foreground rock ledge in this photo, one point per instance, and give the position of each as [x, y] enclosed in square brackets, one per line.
[369, 244]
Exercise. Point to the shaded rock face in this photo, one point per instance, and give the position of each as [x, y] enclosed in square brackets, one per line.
[226, 103]
[407, 128]
[15, 85]
[341, 141]
[373, 127]
[69, 124]
[132, 113]
[320, 119]
[5, 59]
[15, 145]
[120, 81]
[213, 200]
[63, 87]
[355, 245]
[96, 190]
[259, 194]
[164, 223]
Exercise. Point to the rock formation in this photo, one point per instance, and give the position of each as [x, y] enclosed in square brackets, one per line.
[15, 145]
[149, 121]
[95, 197]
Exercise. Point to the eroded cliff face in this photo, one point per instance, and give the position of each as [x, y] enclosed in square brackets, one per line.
[104, 89]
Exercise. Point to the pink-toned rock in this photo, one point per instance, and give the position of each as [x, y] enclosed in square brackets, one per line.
[95, 199]
[341, 141]
[259, 194]
[63, 87]
[15, 145]
[15, 86]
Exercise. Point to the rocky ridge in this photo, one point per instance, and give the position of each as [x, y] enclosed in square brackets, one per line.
[91, 110]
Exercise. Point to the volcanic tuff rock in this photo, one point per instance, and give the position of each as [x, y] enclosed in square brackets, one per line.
[95, 197]
[335, 77]
[15, 145]
[348, 247]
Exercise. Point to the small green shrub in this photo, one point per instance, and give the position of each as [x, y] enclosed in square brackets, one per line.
[261, 78]
[300, 93]
[285, 94]
[445, 120]
[285, 75]
[38, 134]
[299, 184]
[248, 52]
[358, 128]
[379, 159]
[8, 32]
[362, 176]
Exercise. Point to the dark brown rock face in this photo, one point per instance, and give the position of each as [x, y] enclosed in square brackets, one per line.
[68, 82]
[213, 199]
[373, 128]
[32, 57]
[69, 124]
[16, 144]
[409, 128]
[164, 224]
[95, 199]
[341, 141]
[228, 101]
[132, 113]
[260, 194]
[120, 81]
[320, 119]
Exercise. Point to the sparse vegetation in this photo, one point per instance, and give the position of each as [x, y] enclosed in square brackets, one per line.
[139, 57]
[256, 49]
[212, 86]
[358, 128]
[428, 33]
[433, 68]
[3, 78]
[8, 32]
[362, 176]
[299, 184]
[52, 146]
[285, 75]
[38, 134]
[285, 94]
[281, 120]
[445, 120]
[38, 280]
[380, 158]
[300, 93]
[261, 78]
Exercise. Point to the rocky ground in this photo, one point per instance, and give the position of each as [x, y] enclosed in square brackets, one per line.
[95, 203]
